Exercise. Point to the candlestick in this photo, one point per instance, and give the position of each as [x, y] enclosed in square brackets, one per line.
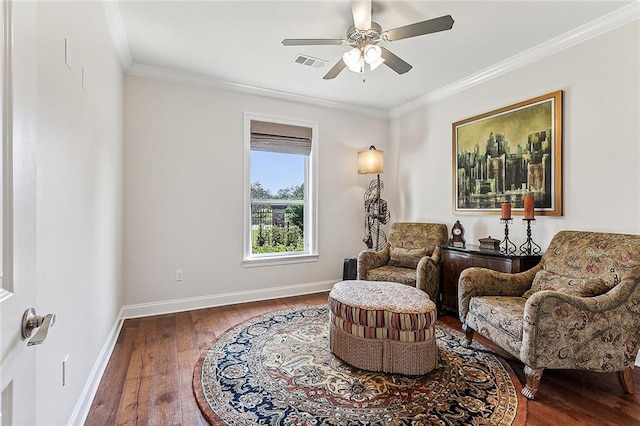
[529, 204]
[506, 210]
[509, 247]
[529, 247]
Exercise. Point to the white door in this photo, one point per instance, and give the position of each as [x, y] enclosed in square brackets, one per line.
[18, 287]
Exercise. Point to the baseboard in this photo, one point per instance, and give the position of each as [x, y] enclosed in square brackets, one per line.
[81, 410]
[191, 303]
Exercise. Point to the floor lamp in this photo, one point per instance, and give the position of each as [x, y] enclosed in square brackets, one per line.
[375, 208]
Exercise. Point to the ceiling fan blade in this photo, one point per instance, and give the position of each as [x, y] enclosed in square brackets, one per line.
[442, 23]
[361, 11]
[394, 62]
[335, 70]
[311, 41]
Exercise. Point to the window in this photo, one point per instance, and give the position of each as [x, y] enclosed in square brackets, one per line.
[280, 207]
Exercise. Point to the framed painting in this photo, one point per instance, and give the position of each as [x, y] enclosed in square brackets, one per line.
[502, 155]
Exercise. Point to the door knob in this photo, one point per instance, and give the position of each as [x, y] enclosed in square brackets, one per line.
[31, 321]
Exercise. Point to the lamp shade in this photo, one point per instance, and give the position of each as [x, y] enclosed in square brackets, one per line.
[371, 161]
[352, 58]
[372, 53]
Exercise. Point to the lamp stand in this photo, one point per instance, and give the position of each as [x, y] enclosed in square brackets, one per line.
[378, 213]
[375, 208]
[375, 213]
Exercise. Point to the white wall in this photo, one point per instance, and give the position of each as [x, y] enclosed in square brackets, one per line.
[601, 83]
[184, 192]
[79, 198]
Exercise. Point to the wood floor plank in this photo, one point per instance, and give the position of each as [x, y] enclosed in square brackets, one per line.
[187, 354]
[190, 412]
[203, 321]
[105, 403]
[145, 348]
[129, 412]
[148, 378]
[133, 407]
[164, 404]
[185, 338]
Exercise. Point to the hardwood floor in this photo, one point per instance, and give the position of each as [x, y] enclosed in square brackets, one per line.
[148, 378]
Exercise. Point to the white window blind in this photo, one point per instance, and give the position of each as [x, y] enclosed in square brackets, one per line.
[283, 138]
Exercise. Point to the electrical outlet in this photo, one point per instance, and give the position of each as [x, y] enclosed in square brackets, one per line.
[65, 370]
[178, 274]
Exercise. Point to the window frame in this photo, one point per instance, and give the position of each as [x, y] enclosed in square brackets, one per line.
[310, 254]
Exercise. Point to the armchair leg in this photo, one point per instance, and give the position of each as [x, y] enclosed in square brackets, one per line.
[625, 377]
[468, 334]
[533, 381]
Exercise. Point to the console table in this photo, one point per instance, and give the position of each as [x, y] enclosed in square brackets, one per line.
[454, 260]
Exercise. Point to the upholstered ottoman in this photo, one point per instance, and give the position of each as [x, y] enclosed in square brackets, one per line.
[383, 326]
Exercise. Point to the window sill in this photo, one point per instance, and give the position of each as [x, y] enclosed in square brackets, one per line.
[279, 260]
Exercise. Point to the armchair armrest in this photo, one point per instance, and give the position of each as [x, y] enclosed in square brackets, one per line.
[598, 333]
[428, 275]
[368, 260]
[487, 282]
[435, 256]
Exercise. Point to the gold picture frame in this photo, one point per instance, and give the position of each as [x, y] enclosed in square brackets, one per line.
[502, 155]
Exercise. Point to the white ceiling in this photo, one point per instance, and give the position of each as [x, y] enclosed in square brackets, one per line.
[238, 43]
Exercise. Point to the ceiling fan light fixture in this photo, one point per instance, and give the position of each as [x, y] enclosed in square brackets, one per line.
[352, 57]
[358, 66]
[372, 54]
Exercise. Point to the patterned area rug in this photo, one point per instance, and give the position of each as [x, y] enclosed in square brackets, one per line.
[277, 369]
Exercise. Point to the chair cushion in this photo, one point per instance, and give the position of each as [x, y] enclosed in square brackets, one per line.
[393, 274]
[406, 258]
[504, 313]
[584, 287]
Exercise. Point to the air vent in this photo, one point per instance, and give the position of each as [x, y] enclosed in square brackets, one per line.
[309, 61]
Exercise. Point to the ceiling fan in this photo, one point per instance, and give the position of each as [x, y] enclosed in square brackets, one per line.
[364, 37]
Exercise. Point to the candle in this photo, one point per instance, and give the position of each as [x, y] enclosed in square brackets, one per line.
[506, 210]
[528, 206]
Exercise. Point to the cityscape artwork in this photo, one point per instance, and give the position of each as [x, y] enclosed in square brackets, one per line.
[503, 155]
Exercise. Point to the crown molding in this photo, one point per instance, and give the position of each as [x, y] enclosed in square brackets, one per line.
[118, 33]
[166, 74]
[595, 28]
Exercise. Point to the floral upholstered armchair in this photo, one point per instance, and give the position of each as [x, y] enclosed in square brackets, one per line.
[579, 308]
[411, 257]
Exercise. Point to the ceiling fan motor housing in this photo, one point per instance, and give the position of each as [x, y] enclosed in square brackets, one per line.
[359, 38]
